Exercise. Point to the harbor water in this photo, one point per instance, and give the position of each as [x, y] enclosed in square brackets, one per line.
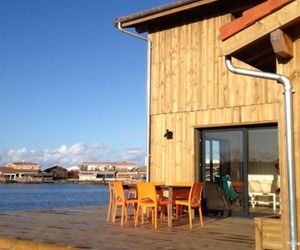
[45, 196]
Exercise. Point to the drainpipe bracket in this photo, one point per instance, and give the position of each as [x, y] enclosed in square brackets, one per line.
[292, 91]
[295, 243]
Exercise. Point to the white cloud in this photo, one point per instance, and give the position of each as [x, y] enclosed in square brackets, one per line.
[72, 155]
[134, 154]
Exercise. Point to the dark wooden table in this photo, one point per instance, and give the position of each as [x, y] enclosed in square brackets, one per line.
[172, 189]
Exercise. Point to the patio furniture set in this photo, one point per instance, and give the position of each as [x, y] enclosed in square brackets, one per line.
[148, 199]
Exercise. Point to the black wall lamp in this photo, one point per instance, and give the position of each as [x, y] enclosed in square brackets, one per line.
[168, 134]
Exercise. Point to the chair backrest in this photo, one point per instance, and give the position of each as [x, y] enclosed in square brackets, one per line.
[111, 190]
[146, 191]
[227, 187]
[196, 193]
[158, 183]
[118, 191]
[183, 183]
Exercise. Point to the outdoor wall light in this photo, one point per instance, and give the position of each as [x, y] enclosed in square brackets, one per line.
[168, 134]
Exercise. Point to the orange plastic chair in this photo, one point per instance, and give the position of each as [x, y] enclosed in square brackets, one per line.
[120, 200]
[147, 198]
[194, 201]
[181, 194]
[111, 199]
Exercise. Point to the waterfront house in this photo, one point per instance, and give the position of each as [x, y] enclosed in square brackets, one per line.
[58, 172]
[2, 178]
[134, 174]
[24, 165]
[104, 171]
[95, 175]
[24, 175]
[207, 124]
[141, 173]
[107, 166]
[73, 172]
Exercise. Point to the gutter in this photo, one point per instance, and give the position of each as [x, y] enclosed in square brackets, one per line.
[289, 140]
[156, 10]
[119, 26]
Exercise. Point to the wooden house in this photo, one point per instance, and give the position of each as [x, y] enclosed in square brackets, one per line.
[57, 172]
[208, 124]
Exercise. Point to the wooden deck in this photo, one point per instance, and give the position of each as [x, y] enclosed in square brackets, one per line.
[86, 228]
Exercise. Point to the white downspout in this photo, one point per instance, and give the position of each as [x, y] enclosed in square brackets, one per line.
[147, 90]
[288, 92]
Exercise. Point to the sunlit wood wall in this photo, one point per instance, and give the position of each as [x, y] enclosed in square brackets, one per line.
[191, 88]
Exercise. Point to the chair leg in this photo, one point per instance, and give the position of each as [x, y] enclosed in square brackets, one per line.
[126, 213]
[176, 216]
[155, 217]
[200, 215]
[109, 211]
[168, 214]
[115, 213]
[134, 210]
[136, 216]
[122, 214]
[162, 213]
[142, 214]
[190, 217]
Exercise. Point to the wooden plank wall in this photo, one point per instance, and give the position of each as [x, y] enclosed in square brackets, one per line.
[292, 70]
[191, 88]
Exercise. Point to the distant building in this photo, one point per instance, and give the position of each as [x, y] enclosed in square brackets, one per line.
[24, 175]
[2, 179]
[137, 173]
[58, 172]
[24, 165]
[73, 172]
[97, 175]
[107, 166]
[141, 173]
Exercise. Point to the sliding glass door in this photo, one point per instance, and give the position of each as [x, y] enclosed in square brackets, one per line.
[236, 160]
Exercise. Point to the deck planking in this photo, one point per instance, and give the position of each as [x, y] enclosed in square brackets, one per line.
[86, 228]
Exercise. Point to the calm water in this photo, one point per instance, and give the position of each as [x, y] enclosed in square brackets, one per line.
[37, 196]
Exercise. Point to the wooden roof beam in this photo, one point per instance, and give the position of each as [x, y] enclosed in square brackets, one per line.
[282, 44]
[279, 19]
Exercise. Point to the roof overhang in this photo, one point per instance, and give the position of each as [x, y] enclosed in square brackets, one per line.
[181, 11]
[252, 44]
[159, 12]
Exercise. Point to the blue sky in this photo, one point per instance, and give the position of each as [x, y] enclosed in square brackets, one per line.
[72, 87]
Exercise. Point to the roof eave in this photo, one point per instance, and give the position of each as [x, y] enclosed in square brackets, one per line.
[139, 18]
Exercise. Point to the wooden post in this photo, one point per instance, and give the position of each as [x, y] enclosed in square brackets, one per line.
[258, 234]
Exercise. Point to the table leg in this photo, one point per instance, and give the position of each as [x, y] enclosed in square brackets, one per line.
[170, 207]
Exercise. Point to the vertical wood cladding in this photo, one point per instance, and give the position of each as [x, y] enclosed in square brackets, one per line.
[191, 88]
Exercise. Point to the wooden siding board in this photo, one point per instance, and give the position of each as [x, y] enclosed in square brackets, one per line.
[188, 67]
[174, 68]
[195, 66]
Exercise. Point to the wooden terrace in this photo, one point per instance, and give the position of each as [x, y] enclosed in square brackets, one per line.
[86, 228]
